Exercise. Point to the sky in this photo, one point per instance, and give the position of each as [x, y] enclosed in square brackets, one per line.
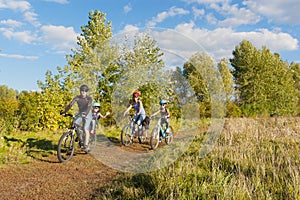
[36, 35]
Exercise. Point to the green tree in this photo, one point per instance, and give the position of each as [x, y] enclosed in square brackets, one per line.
[231, 108]
[200, 71]
[295, 69]
[9, 107]
[29, 114]
[94, 61]
[263, 81]
[144, 70]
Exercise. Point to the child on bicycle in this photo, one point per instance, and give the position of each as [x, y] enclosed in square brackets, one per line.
[84, 115]
[137, 104]
[96, 115]
[165, 114]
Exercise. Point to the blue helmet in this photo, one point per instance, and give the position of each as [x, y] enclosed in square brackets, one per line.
[96, 104]
[161, 102]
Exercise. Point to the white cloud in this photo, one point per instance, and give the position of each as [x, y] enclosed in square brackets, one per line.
[15, 5]
[32, 18]
[173, 11]
[279, 11]
[21, 6]
[18, 56]
[61, 38]
[127, 8]
[198, 13]
[11, 23]
[23, 36]
[221, 41]
[234, 15]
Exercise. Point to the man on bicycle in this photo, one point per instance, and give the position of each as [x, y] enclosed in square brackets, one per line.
[84, 115]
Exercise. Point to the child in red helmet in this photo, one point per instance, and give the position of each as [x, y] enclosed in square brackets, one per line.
[137, 104]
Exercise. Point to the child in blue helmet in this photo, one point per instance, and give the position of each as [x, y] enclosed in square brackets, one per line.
[96, 114]
[165, 114]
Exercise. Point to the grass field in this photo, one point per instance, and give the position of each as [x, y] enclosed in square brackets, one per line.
[252, 159]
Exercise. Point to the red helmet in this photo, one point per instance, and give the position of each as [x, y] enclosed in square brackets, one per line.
[136, 94]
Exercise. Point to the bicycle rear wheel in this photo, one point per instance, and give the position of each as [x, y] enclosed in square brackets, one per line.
[169, 135]
[143, 134]
[154, 139]
[126, 137]
[66, 147]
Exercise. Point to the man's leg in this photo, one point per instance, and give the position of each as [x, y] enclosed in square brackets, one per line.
[77, 123]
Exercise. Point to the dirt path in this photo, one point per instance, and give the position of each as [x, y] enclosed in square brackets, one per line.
[47, 179]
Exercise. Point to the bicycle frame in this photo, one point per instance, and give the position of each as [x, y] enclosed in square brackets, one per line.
[130, 130]
[162, 130]
[159, 133]
[67, 142]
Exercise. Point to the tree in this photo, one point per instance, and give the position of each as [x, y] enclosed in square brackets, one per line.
[94, 61]
[9, 107]
[200, 70]
[29, 114]
[263, 81]
[231, 108]
[295, 69]
[143, 70]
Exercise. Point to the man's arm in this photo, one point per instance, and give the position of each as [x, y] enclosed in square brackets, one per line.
[71, 104]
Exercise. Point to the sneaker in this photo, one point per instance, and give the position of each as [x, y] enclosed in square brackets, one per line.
[81, 144]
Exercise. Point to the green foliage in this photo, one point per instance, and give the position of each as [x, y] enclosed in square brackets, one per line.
[53, 99]
[295, 69]
[202, 74]
[264, 82]
[9, 107]
[29, 114]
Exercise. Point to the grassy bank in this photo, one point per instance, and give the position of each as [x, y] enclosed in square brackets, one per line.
[253, 159]
[21, 147]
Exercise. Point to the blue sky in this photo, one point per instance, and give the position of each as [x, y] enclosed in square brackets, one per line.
[35, 35]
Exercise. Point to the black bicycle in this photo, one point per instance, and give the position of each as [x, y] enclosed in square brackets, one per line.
[67, 142]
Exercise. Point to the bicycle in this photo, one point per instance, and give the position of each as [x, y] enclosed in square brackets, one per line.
[131, 130]
[160, 132]
[67, 142]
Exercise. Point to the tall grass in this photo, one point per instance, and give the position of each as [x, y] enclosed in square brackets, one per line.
[253, 159]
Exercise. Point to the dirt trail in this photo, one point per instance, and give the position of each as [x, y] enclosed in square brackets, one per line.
[79, 178]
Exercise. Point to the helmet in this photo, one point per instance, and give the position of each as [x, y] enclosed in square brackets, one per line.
[136, 94]
[96, 104]
[84, 88]
[161, 102]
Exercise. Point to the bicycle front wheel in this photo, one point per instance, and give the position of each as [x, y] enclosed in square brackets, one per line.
[126, 137]
[169, 135]
[154, 139]
[66, 147]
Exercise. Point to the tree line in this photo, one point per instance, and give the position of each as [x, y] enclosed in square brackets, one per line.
[255, 82]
